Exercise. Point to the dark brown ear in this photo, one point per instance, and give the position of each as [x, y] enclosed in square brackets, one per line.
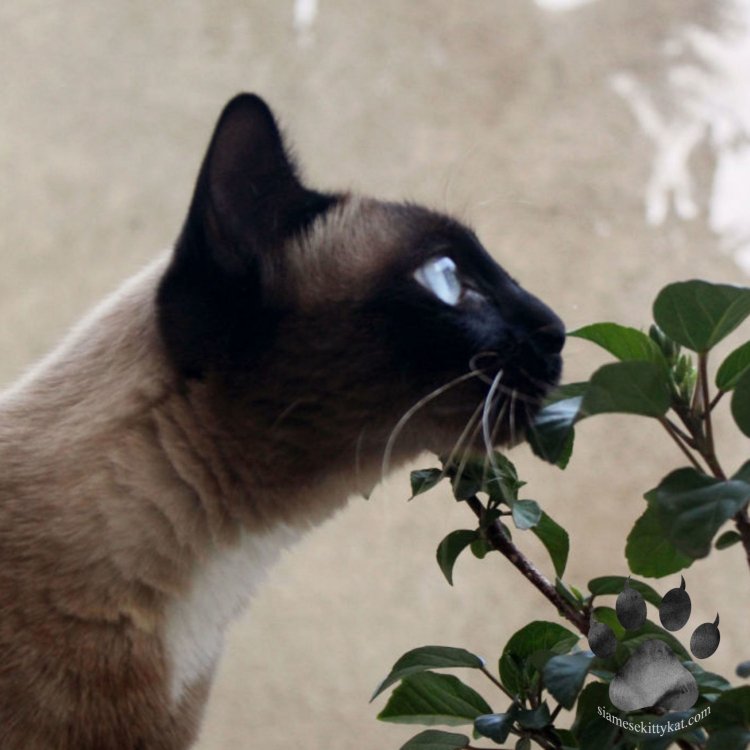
[213, 301]
[248, 197]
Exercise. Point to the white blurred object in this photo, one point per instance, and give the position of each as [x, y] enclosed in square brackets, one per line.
[305, 13]
[709, 104]
[561, 5]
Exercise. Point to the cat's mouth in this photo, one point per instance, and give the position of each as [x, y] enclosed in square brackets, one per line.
[494, 409]
[491, 405]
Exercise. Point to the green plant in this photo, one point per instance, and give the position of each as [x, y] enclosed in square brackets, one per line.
[545, 667]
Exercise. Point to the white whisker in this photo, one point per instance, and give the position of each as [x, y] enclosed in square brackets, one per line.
[410, 413]
[512, 419]
[490, 454]
[486, 412]
[465, 456]
[488, 405]
[498, 420]
[286, 412]
[457, 445]
[473, 364]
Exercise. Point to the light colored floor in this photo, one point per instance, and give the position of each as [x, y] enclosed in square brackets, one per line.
[598, 150]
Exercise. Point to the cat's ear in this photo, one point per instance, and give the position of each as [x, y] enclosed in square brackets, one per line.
[248, 197]
[216, 301]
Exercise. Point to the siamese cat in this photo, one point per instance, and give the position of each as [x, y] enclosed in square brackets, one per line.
[224, 401]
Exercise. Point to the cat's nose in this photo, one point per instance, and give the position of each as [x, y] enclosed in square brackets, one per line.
[540, 328]
[549, 338]
[541, 347]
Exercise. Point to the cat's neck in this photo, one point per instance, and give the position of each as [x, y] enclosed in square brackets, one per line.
[106, 371]
[131, 499]
[106, 407]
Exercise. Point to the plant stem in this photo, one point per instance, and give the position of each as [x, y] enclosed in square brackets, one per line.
[675, 435]
[505, 547]
[707, 449]
[497, 683]
[709, 443]
[716, 400]
[686, 439]
[538, 736]
[742, 522]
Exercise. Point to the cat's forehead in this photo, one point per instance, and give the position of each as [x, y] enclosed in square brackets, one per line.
[360, 242]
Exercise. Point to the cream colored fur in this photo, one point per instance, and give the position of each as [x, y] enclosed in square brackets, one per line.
[121, 500]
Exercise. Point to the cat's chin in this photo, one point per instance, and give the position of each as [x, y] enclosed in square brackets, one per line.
[502, 428]
[446, 443]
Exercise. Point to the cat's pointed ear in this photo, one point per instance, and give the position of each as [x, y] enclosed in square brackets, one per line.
[248, 197]
[217, 299]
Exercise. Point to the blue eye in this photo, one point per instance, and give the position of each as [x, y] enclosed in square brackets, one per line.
[440, 277]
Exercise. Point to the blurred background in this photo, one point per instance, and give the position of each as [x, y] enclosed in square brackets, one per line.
[601, 149]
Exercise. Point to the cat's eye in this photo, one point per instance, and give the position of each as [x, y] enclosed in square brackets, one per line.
[440, 276]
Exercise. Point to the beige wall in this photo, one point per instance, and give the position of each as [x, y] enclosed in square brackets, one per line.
[498, 110]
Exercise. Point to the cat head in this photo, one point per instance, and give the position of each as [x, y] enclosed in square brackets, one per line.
[343, 327]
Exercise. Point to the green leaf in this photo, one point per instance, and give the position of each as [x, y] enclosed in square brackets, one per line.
[649, 551]
[536, 718]
[526, 514]
[691, 507]
[428, 657]
[605, 585]
[631, 639]
[465, 486]
[523, 743]
[731, 707]
[623, 342]
[727, 539]
[424, 479]
[628, 388]
[698, 314]
[499, 477]
[431, 698]
[556, 541]
[590, 728]
[708, 682]
[733, 368]
[551, 434]
[731, 738]
[608, 616]
[564, 676]
[566, 391]
[480, 547]
[434, 739]
[451, 547]
[741, 404]
[537, 636]
[565, 738]
[743, 473]
[649, 631]
[567, 593]
[669, 349]
[496, 726]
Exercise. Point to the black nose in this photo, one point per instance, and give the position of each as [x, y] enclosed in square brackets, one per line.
[540, 337]
[549, 338]
[537, 327]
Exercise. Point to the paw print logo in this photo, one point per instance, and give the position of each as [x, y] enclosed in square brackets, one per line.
[653, 676]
